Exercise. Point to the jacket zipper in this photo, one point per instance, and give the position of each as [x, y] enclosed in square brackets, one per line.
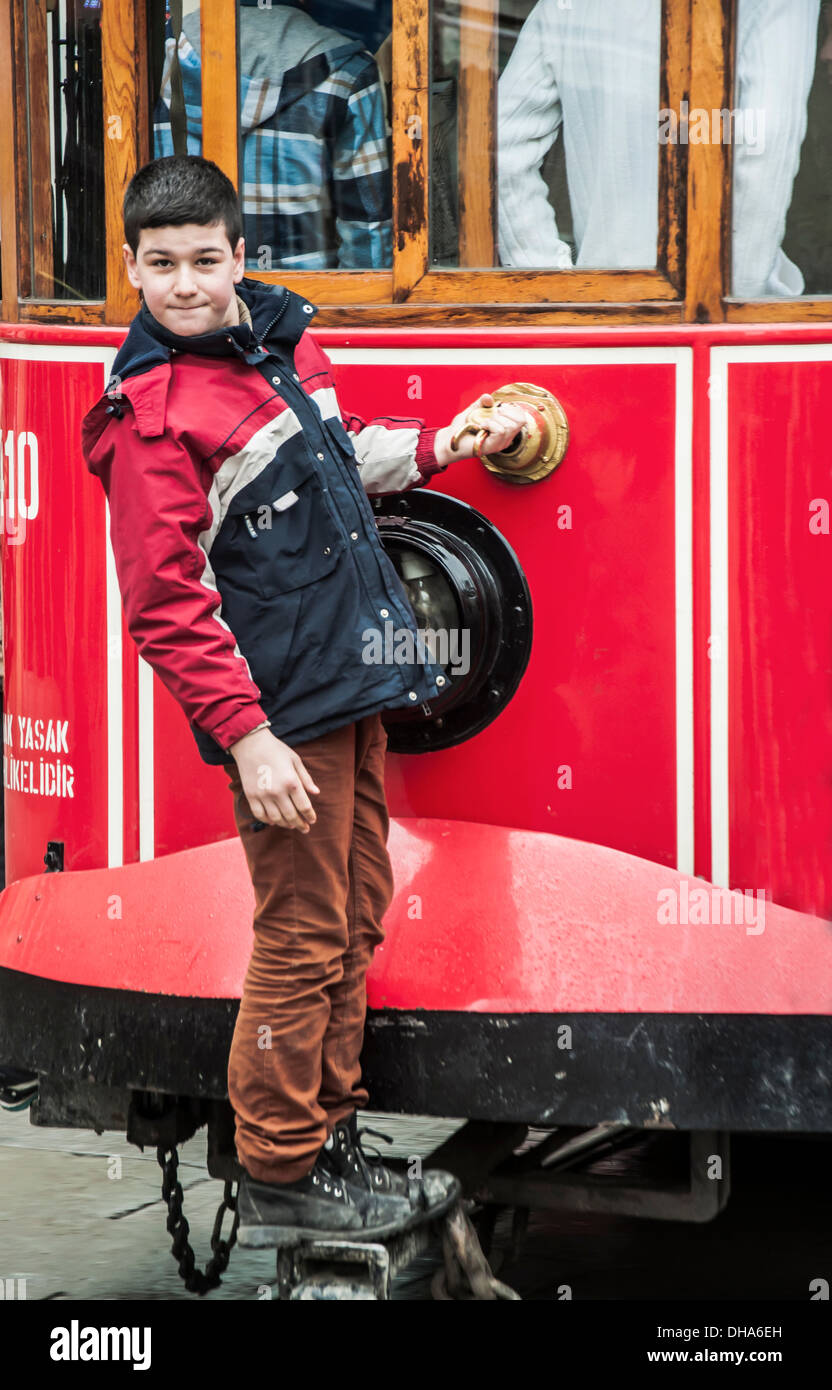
[350, 484]
[261, 344]
[275, 321]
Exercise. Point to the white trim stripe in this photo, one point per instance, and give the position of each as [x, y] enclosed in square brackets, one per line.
[719, 635]
[684, 615]
[147, 772]
[513, 356]
[115, 709]
[115, 679]
[105, 357]
[682, 359]
[720, 360]
[39, 352]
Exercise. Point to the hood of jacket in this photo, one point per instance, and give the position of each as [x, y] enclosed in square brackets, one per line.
[142, 369]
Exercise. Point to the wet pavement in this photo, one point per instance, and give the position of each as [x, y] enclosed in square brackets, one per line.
[82, 1218]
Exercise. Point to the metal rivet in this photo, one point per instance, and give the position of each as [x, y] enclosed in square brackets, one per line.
[275, 381]
[413, 695]
[326, 550]
[354, 535]
[321, 457]
[295, 375]
[307, 308]
[384, 612]
[440, 680]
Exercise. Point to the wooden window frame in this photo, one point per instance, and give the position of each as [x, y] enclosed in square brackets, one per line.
[415, 291]
[691, 280]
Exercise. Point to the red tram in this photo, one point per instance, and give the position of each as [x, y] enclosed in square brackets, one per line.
[612, 839]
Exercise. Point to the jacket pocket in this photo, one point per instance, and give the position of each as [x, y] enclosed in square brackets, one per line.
[281, 530]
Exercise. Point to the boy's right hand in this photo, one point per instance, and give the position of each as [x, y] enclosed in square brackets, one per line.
[274, 781]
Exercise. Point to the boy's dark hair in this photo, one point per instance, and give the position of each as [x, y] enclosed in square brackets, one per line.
[177, 189]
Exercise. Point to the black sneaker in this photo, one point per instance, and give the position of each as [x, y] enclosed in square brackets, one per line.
[318, 1205]
[430, 1195]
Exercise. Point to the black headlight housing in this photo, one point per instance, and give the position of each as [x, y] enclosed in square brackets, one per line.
[461, 577]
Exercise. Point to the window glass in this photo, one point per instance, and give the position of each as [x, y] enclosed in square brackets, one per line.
[62, 241]
[315, 180]
[545, 133]
[782, 182]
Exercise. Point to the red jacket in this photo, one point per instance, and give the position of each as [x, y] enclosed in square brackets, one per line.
[246, 549]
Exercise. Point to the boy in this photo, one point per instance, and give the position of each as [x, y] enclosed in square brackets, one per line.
[250, 565]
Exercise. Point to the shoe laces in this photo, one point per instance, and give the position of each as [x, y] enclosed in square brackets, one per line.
[364, 1163]
[377, 1132]
[370, 1156]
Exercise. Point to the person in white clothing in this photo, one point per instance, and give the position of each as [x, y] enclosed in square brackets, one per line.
[593, 68]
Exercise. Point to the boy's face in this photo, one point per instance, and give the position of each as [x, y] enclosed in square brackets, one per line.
[187, 276]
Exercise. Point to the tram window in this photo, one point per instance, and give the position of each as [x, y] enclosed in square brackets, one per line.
[176, 77]
[808, 238]
[315, 180]
[62, 233]
[780, 74]
[544, 152]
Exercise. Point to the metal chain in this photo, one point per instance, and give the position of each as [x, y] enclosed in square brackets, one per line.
[196, 1280]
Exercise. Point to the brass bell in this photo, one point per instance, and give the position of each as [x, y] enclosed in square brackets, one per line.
[539, 446]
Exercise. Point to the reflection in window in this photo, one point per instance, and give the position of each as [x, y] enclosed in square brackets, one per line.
[62, 241]
[570, 96]
[315, 176]
[776, 46]
[808, 239]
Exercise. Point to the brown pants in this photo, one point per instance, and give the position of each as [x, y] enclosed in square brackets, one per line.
[320, 899]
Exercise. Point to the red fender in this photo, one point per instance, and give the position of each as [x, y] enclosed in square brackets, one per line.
[484, 919]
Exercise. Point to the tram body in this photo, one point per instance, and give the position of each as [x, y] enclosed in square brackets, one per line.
[613, 886]
[671, 730]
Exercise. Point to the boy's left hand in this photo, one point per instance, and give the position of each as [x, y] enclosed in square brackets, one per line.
[504, 425]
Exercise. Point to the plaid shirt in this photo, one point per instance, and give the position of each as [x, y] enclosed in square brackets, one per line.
[316, 188]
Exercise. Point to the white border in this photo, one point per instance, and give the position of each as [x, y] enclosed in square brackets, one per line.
[720, 359]
[682, 359]
[105, 356]
[115, 686]
[147, 787]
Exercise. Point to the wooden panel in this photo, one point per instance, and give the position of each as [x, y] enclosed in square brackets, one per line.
[332, 286]
[40, 149]
[62, 311]
[495, 316]
[779, 310]
[123, 101]
[144, 107]
[24, 252]
[220, 105]
[411, 139]
[708, 164]
[9, 219]
[675, 85]
[484, 287]
[536, 286]
[477, 132]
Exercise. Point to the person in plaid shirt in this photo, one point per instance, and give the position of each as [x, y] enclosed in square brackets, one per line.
[316, 185]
